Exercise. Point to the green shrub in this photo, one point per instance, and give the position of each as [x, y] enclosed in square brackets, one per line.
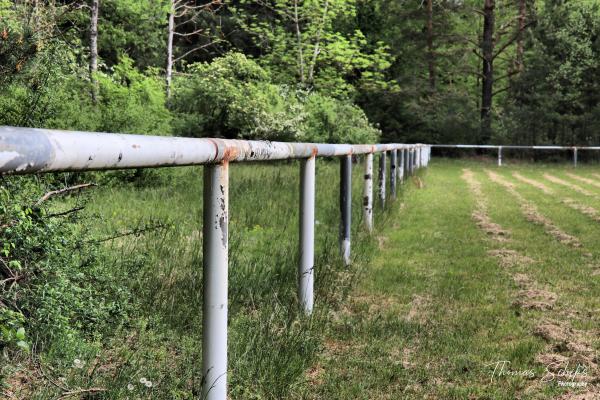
[336, 121]
[233, 97]
[55, 279]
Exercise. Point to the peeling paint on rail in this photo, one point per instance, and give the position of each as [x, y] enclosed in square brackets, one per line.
[28, 150]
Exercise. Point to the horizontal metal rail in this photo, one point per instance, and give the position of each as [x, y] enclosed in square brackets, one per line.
[493, 146]
[574, 149]
[28, 151]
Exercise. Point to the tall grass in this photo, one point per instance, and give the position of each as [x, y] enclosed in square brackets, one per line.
[272, 344]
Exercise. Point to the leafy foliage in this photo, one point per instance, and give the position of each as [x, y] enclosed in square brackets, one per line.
[53, 276]
[316, 44]
[233, 97]
[555, 99]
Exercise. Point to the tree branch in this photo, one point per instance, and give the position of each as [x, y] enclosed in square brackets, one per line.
[510, 41]
[504, 89]
[78, 392]
[63, 191]
[203, 47]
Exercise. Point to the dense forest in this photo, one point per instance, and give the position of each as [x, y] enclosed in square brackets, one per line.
[470, 71]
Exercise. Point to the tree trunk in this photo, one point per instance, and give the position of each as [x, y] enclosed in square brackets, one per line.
[95, 9]
[299, 43]
[317, 50]
[171, 32]
[487, 87]
[430, 55]
[520, 48]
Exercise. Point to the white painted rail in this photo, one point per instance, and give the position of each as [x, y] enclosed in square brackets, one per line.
[29, 151]
[499, 148]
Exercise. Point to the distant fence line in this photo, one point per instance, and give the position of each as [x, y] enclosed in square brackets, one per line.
[499, 148]
[29, 151]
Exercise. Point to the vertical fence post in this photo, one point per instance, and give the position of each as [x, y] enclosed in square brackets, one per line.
[393, 174]
[307, 235]
[500, 156]
[414, 159]
[345, 206]
[368, 192]
[410, 161]
[215, 260]
[400, 167]
[382, 177]
[575, 156]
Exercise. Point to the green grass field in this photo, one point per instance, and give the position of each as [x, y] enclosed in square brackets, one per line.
[453, 298]
[472, 271]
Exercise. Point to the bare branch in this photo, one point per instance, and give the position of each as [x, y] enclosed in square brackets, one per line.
[63, 191]
[79, 392]
[510, 41]
[195, 49]
[196, 32]
[63, 213]
[501, 90]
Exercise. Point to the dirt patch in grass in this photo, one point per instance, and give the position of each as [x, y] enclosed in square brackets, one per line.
[492, 229]
[583, 179]
[534, 183]
[585, 210]
[314, 375]
[567, 344]
[522, 280]
[510, 258]
[418, 309]
[381, 242]
[596, 176]
[570, 185]
[407, 356]
[532, 214]
[480, 214]
[535, 299]
[373, 305]
[590, 394]
[337, 347]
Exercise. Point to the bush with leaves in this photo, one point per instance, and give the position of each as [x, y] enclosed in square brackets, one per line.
[335, 121]
[54, 280]
[233, 97]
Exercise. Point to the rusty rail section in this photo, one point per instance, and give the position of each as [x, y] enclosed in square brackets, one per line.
[499, 148]
[28, 151]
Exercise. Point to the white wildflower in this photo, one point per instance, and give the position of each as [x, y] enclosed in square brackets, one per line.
[130, 387]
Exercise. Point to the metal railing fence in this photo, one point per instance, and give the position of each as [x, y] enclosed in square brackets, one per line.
[28, 151]
[499, 148]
